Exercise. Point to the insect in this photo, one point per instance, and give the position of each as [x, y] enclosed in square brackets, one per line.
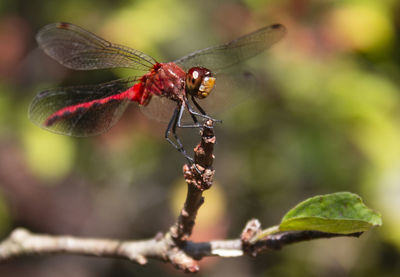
[93, 109]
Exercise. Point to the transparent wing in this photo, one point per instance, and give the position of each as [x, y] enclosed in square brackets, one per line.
[81, 110]
[223, 56]
[78, 49]
[230, 89]
[159, 109]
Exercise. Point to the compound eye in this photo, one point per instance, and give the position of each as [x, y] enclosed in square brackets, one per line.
[199, 82]
[193, 80]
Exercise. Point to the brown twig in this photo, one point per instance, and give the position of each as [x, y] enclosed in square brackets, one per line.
[197, 183]
[22, 242]
[173, 246]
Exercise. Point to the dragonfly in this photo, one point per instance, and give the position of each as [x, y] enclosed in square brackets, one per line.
[93, 109]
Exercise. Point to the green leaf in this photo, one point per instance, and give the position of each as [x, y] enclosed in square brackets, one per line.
[339, 213]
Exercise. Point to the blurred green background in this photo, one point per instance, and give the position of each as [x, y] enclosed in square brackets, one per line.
[326, 119]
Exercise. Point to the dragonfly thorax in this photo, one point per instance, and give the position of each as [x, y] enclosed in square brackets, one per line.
[165, 79]
[199, 82]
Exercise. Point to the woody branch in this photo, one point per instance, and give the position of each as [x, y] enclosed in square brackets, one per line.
[173, 246]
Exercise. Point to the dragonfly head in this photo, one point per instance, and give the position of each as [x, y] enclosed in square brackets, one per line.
[199, 82]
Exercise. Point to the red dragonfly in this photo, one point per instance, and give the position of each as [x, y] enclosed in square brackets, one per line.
[91, 110]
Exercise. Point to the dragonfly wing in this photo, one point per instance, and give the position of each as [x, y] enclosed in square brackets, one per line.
[226, 55]
[81, 110]
[159, 109]
[79, 49]
[231, 89]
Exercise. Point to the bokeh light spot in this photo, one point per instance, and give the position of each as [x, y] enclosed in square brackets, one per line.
[48, 155]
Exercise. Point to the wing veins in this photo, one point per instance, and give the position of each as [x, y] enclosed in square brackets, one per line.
[43, 106]
[221, 56]
[80, 49]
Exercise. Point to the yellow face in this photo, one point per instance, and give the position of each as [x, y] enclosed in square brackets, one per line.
[206, 86]
[199, 82]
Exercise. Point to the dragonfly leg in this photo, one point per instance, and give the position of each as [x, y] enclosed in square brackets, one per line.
[196, 124]
[198, 106]
[172, 129]
[176, 122]
[202, 112]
